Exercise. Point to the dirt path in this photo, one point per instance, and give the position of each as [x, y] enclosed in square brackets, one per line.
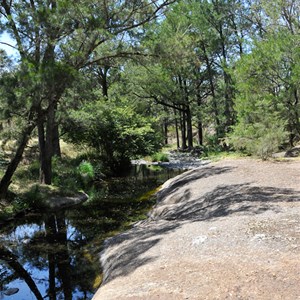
[229, 230]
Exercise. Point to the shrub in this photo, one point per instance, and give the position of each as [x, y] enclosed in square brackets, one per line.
[116, 132]
[260, 139]
[162, 157]
[86, 172]
[86, 169]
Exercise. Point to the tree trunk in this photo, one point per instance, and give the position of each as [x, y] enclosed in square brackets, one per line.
[42, 147]
[50, 229]
[165, 129]
[47, 171]
[102, 73]
[200, 125]
[200, 133]
[176, 130]
[183, 129]
[55, 144]
[189, 127]
[188, 116]
[63, 263]
[6, 179]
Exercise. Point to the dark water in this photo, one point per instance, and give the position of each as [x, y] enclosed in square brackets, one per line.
[55, 255]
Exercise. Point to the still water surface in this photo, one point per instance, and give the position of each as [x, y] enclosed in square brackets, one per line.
[55, 255]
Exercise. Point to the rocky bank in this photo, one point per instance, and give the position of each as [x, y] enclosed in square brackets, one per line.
[227, 230]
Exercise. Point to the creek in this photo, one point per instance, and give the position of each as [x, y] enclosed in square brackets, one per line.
[55, 254]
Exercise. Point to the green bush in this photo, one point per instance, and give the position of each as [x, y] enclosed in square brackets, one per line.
[86, 170]
[161, 157]
[260, 139]
[116, 132]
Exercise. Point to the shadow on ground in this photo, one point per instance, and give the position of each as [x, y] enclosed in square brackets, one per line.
[230, 199]
[128, 249]
[126, 252]
[191, 176]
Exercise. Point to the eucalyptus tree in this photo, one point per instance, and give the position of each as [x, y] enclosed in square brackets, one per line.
[165, 76]
[267, 104]
[194, 50]
[54, 39]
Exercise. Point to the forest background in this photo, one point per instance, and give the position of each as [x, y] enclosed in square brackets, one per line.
[117, 79]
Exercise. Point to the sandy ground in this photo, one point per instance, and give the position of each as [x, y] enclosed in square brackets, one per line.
[228, 230]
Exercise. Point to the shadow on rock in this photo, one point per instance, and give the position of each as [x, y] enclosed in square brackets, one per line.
[228, 200]
[179, 181]
[126, 252]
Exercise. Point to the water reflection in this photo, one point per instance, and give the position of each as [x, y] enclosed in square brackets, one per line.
[56, 233]
[12, 262]
[48, 249]
[55, 255]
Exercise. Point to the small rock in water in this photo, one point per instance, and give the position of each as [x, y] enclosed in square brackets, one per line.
[11, 291]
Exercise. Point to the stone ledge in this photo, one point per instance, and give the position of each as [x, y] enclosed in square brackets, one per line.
[56, 202]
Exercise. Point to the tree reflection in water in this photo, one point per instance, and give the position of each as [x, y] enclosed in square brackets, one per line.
[57, 254]
[54, 249]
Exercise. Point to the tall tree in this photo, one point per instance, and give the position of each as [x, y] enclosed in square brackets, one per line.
[54, 39]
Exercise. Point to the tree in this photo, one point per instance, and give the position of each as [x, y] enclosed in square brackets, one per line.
[121, 132]
[268, 80]
[54, 40]
[264, 103]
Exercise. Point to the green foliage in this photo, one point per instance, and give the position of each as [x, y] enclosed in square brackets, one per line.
[86, 169]
[266, 105]
[86, 172]
[161, 157]
[115, 131]
[34, 197]
[260, 138]
[29, 172]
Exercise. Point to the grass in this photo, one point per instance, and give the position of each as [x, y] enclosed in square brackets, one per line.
[160, 157]
[69, 177]
[219, 155]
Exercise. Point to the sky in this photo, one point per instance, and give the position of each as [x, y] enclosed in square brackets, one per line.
[4, 38]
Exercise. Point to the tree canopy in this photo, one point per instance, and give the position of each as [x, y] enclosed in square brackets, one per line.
[125, 77]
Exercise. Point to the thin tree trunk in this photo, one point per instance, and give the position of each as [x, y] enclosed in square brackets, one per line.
[176, 130]
[189, 127]
[56, 144]
[183, 129]
[188, 116]
[42, 147]
[47, 171]
[200, 125]
[200, 133]
[165, 128]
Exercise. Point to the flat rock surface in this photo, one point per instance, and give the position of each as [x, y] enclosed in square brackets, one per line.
[58, 202]
[228, 230]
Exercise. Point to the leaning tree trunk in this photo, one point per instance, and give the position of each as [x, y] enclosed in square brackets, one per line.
[6, 179]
